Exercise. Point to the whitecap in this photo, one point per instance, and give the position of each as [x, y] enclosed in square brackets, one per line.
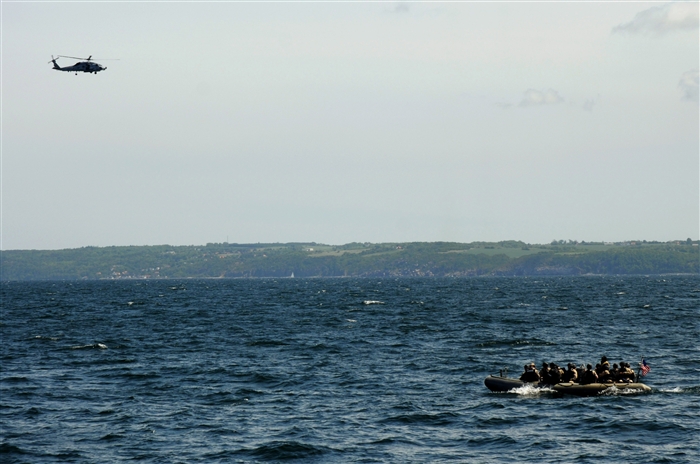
[671, 390]
[100, 346]
[370, 302]
[81, 347]
[351, 320]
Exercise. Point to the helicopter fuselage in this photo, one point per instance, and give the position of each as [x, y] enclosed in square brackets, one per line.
[82, 66]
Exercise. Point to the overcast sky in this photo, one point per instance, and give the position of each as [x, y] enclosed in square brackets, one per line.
[342, 122]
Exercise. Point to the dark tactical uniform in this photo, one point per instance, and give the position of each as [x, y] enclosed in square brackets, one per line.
[530, 375]
[571, 375]
[544, 373]
[589, 376]
[554, 374]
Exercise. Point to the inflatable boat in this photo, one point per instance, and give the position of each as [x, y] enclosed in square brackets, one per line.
[506, 384]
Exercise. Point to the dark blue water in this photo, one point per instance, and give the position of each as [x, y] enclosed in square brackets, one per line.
[303, 369]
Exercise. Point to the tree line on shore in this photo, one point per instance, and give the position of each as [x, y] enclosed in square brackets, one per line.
[417, 259]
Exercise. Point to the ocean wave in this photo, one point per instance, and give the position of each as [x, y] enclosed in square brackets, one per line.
[502, 440]
[533, 342]
[6, 448]
[98, 346]
[14, 379]
[264, 343]
[284, 450]
[224, 398]
[260, 378]
[694, 390]
[248, 392]
[140, 375]
[33, 412]
[372, 302]
[41, 337]
[444, 418]
[392, 440]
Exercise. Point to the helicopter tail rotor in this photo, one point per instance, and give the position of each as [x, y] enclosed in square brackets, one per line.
[53, 60]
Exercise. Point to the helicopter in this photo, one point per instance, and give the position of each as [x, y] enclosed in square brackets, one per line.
[87, 66]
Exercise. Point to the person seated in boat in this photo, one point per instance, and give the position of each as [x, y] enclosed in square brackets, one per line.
[615, 372]
[526, 368]
[604, 376]
[571, 375]
[604, 362]
[561, 370]
[544, 373]
[625, 373]
[589, 376]
[555, 374]
[598, 369]
[530, 374]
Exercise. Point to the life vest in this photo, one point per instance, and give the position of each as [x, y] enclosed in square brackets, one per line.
[530, 376]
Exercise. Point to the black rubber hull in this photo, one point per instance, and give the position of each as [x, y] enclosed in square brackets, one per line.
[504, 384]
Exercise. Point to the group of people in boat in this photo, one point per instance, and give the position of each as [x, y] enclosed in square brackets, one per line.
[552, 374]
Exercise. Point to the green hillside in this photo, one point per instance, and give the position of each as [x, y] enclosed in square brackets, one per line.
[224, 260]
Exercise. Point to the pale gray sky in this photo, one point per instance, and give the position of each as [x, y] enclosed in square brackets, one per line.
[341, 122]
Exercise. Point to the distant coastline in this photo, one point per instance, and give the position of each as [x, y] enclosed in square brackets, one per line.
[414, 259]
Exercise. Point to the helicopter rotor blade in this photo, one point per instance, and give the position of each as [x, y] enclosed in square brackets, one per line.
[73, 57]
[89, 58]
[53, 59]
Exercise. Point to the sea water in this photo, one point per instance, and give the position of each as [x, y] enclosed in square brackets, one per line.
[343, 370]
